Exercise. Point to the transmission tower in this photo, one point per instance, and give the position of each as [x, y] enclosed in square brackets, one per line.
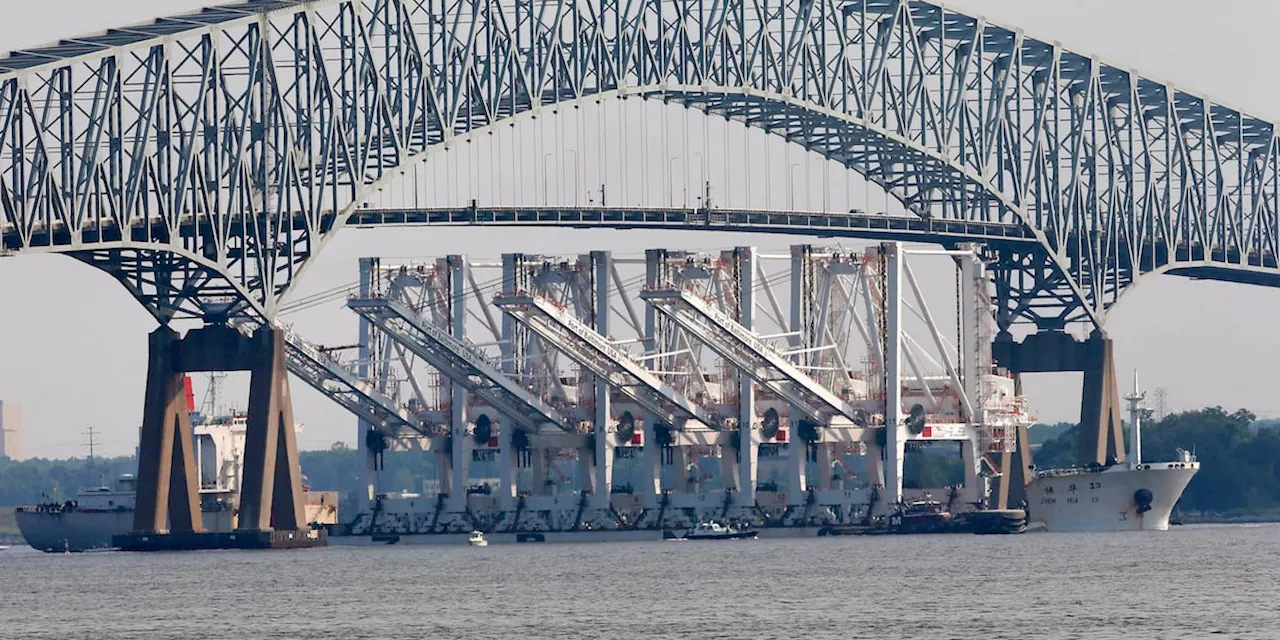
[1160, 398]
[93, 442]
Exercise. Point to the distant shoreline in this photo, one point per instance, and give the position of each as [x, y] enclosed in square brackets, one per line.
[1270, 518]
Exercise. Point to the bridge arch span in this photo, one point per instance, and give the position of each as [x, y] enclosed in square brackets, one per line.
[950, 193]
[242, 132]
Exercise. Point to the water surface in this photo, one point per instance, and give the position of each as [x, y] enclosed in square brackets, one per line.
[1191, 582]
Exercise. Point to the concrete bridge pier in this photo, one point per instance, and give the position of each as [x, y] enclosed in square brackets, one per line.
[168, 497]
[1101, 436]
[271, 490]
[1010, 488]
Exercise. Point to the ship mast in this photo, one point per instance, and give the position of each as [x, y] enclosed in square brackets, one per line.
[1135, 420]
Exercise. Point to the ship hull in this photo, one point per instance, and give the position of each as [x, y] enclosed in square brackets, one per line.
[72, 530]
[58, 531]
[1109, 500]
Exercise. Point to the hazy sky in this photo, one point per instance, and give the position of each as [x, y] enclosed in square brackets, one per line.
[73, 343]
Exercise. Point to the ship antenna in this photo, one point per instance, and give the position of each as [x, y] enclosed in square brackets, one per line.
[1135, 420]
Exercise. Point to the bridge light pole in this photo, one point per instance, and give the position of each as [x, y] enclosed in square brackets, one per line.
[576, 186]
[546, 162]
[702, 175]
[671, 181]
[791, 187]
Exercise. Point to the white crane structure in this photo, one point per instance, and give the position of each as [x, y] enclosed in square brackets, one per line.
[809, 400]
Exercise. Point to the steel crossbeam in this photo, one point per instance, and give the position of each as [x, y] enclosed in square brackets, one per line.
[459, 361]
[751, 355]
[602, 358]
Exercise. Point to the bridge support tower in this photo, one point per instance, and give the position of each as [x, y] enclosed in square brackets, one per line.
[1101, 439]
[167, 514]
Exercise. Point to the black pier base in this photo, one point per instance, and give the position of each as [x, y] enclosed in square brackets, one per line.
[203, 540]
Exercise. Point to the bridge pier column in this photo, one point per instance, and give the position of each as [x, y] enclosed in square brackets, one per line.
[271, 486]
[1102, 438]
[1016, 472]
[271, 493]
[168, 497]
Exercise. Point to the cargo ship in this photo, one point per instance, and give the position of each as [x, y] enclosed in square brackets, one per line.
[1130, 496]
[90, 519]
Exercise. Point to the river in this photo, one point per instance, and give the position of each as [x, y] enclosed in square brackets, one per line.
[1191, 582]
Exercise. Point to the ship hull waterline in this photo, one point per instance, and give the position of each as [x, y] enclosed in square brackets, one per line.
[1106, 500]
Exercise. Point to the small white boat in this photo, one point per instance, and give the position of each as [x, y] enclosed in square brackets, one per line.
[4, 547]
[477, 539]
[716, 531]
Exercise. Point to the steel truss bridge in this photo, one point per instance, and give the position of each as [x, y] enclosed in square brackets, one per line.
[203, 159]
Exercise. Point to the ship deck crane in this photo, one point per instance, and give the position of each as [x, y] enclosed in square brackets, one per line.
[601, 357]
[460, 361]
[324, 373]
[753, 356]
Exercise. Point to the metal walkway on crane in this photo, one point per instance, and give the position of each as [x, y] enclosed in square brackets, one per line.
[331, 378]
[752, 355]
[601, 357]
[359, 396]
[460, 361]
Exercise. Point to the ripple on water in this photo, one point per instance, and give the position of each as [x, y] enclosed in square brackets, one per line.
[1189, 582]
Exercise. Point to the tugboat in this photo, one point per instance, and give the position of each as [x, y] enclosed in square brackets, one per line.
[918, 516]
[931, 516]
[714, 531]
[477, 539]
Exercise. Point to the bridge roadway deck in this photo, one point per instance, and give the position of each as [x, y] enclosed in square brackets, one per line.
[1188, 260]
[57, 237]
